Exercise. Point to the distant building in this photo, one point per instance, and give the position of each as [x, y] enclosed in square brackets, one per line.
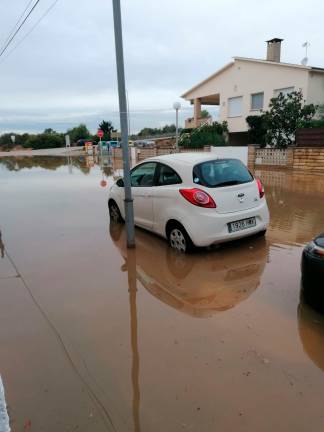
[245, 86]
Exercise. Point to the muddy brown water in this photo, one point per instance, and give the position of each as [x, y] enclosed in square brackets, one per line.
[97, 338]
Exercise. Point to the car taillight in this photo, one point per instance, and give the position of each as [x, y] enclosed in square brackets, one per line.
[260, 187]
[198, 197]
[319, 252]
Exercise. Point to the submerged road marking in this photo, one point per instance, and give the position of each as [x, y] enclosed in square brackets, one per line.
[4, 418]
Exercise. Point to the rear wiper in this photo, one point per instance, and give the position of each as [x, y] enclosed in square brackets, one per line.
[228, 183]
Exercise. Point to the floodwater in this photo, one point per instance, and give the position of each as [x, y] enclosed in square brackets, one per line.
[97, 338]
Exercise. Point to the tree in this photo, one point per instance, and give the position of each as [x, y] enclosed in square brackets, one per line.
[148, 132]
[258, 128]
[320, 111]
[78, 132]
[286, 114]
[107, 128]
[49, 131]
[204, 114]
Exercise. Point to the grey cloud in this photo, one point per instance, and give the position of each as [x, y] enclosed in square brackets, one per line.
[65, 72]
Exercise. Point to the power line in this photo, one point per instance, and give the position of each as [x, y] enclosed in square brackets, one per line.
[18, 29]
[18, 21]
[31, 30]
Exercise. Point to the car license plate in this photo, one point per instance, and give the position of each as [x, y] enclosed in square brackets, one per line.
[241, 224]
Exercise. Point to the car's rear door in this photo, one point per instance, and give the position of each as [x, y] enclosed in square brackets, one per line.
[142, 181]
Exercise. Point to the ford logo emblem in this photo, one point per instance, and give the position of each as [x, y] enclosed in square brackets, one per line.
[241, 197]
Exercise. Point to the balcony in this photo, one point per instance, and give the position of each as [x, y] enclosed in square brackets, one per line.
[190, 122]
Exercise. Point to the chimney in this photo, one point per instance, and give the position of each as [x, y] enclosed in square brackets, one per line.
[274, 50]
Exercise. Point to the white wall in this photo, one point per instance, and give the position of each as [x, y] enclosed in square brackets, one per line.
[315, 88]
[240, 153]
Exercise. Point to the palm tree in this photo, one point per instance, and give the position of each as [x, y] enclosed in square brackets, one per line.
[107, 128]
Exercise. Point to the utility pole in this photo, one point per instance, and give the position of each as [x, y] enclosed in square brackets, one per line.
[129, 210]
[177, 106]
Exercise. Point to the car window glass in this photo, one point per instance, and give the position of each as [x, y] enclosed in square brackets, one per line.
[167, 176]
[143, 175]
[219, 173]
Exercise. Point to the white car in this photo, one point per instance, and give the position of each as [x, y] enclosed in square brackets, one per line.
[193, 199]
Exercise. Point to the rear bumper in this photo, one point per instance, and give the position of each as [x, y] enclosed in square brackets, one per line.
[208, 227]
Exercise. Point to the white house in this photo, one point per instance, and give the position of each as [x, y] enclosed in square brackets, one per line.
[245, 86]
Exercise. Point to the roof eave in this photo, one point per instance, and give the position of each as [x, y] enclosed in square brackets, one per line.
[184, 96]
[268, 62]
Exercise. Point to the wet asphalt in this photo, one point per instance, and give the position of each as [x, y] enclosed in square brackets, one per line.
[94, 337]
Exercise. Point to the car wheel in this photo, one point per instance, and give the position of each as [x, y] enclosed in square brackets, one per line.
[261, 233]
[179, 239]
[114, 212]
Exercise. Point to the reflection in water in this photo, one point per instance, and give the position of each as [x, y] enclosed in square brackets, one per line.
[311, 332]
[200, 284]
[52, 163]
[296, 205]
[2, 248]
[132, 289]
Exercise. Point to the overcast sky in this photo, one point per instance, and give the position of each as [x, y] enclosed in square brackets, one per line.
[64, 72]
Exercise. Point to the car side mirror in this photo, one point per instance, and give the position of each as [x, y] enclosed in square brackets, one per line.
[120, 182]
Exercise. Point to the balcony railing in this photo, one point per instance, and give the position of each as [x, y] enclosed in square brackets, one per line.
[190, 122]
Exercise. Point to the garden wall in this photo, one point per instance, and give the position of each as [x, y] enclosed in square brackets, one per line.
[301, 158]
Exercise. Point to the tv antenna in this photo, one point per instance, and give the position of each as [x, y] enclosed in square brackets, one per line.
[305, 59]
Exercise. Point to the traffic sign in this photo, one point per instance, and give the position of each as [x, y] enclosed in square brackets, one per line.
[100, 133]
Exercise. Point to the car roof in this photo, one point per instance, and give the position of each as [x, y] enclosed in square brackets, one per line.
[185, 158]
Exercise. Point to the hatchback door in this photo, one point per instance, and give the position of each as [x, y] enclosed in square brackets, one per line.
[142, 181]
[229, 183]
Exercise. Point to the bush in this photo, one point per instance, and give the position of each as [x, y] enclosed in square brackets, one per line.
[312, 123]
[214, 134]
[258, 128]
[44, 141]
[6, 141]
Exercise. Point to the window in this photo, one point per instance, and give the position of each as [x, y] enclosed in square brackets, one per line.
[284, 91]
[143, 175]
[219, 173]
[167, 176]
[257, 101]
[235, 106]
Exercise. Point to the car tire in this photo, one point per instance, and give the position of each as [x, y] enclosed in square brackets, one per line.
[261, 233]
[114, 212]
[179, 239]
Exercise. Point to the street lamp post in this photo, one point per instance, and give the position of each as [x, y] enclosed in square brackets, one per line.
[177, 106]
[129, 210]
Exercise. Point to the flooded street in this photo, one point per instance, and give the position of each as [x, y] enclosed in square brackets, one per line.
[95, 337]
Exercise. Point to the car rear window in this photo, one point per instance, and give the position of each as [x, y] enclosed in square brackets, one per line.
[222, 172]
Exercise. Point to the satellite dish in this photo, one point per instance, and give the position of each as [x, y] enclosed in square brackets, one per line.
[304, 61]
